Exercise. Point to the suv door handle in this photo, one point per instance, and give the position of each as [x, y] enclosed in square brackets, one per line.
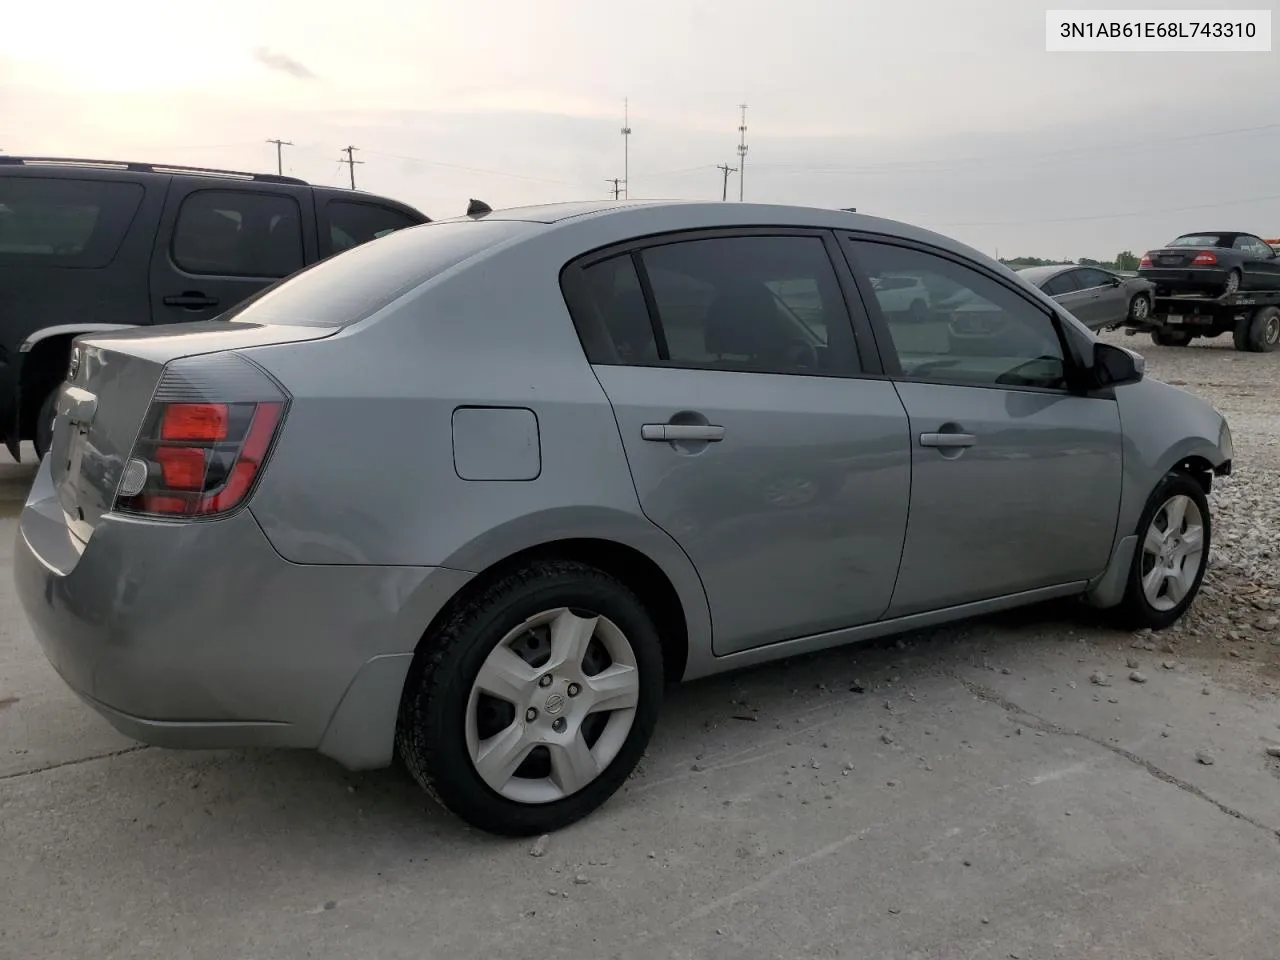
[190, 300]
[668, 432]
[947, 439]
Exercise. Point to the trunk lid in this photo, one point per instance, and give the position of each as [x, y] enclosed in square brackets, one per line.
[110, 384]
[1176, 256]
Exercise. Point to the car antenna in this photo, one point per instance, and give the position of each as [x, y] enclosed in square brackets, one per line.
[478, 208]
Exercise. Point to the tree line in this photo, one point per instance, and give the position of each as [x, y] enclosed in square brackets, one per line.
[1124, 261]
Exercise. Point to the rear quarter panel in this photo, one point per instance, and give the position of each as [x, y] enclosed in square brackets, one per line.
[364, 471]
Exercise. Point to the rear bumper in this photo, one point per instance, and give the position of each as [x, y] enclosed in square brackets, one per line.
[1186, 278]
[200, 635]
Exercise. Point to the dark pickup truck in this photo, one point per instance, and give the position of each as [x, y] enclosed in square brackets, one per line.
[90, 245]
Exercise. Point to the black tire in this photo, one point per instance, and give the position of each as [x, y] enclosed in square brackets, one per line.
[1232, 285]
[1140, 308]
[1164, 337]
[1260, 331]
[43, 438]
[1135, 611]
[431, 736]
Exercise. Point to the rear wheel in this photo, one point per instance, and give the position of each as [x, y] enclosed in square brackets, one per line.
[1232, 285]
[43, 438]
[535, 700]
[1260, 332]
[1172, 554]
[1165, 337]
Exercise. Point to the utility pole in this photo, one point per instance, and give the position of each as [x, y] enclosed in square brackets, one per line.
[626, 147]
[280, 144]
[742, 148]
[351, 162]
[617, 188]
[725, 169]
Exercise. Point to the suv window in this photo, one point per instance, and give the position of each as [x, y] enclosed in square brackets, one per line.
[232, 233]
[351, 224]
[52, 221]
[759, 304]
[992, 337]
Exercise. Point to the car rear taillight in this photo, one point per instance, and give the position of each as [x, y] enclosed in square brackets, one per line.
[1204, 259]
[1145, 261]
[205, 439]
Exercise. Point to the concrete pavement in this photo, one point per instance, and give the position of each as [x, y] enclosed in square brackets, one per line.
[980, 797]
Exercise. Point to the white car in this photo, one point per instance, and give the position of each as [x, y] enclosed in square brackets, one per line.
[898, 295]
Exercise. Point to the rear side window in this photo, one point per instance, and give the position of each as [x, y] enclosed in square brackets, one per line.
[233, 233]
[350, 286]
[756, 304]
[57, 222]
[1068, 282]
[351, 224]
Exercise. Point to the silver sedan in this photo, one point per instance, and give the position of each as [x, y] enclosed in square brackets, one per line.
[1097, 298]
[476, 491]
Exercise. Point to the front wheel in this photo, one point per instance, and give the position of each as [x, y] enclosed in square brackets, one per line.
[1172, 554]
[1259, 333]
[534, 702]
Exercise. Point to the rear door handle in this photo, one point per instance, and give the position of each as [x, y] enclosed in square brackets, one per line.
[947, 439]
[668, 432]
[192, 301]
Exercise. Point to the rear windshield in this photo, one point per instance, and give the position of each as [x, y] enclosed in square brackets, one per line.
[60, 222]
[1200, 240]
[352, 285]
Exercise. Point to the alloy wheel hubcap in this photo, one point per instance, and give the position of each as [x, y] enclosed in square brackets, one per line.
[1172, 552]
[552, 705]
[1272, 333]
[1139, 309]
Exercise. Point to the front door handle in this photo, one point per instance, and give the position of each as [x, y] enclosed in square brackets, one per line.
[947, 439]
[674, 432]
[191, 300]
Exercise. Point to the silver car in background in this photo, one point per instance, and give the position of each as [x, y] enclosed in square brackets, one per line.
[1097, 298]
[476, 491]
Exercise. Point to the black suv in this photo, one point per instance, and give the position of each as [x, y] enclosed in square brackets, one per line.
[89, 245]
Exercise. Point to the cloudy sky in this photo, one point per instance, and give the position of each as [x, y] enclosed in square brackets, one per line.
[945, 113]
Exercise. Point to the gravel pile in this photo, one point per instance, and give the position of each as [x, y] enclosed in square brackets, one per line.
[1239, 607]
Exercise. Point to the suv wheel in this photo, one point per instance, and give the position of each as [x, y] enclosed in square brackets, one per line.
[1172, 554]
[535, 700]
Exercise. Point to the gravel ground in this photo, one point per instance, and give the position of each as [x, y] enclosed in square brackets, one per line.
[1237, 615]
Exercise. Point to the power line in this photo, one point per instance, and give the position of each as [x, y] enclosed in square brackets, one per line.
[725, 169]
[279, 155]
[1116, 216]
[943, 162]
[617, 182]
[479, 170]
[351, 162]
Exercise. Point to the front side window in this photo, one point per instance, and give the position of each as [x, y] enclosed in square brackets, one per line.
[56, 221]
[988, 336]
[758, 304]
[230, 233]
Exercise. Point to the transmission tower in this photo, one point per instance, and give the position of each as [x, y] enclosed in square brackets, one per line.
[742, 148]
[626, 147]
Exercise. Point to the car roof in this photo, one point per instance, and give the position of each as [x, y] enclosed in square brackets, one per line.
[1040, 274]
[81, 165]
[631, 219]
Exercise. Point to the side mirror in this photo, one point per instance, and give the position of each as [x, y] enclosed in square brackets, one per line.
[1113, 281]
[1114, 366]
